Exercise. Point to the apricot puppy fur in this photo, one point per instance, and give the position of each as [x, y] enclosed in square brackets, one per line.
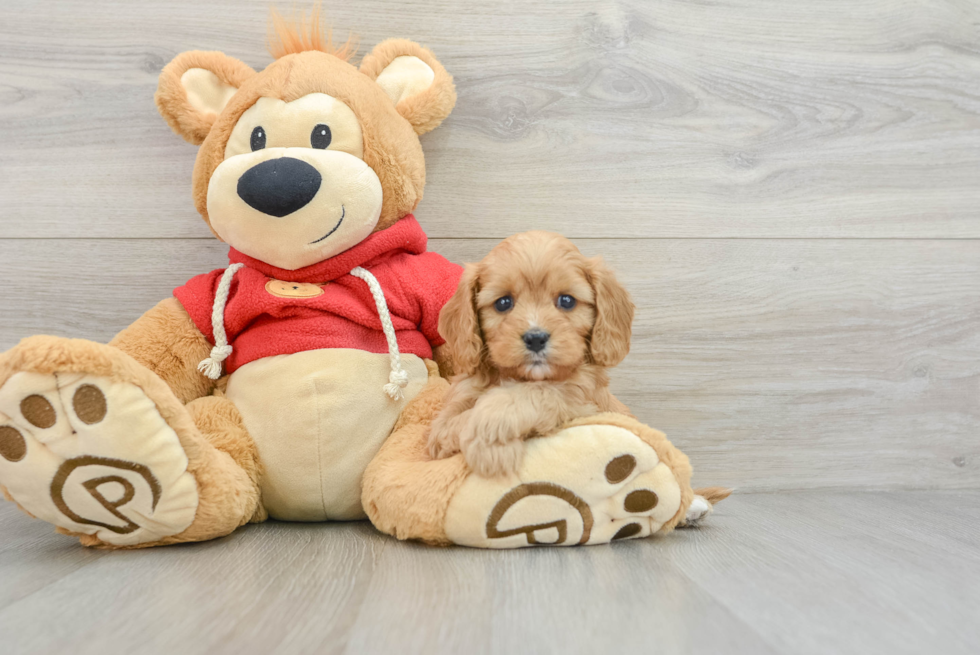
[529, 333]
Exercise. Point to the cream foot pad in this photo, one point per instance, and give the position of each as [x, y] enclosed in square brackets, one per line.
[93, 457]
[588, 484]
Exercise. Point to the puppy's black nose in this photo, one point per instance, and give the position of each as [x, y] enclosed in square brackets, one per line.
[278, 187]
[536, 340]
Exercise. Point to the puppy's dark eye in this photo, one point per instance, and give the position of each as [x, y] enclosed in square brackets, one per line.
[565, 301]
[503, 304]
[320, 138]
[258, 139]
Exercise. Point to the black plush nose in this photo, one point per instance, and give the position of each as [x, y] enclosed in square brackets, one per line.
[536, 340]
[278, 187]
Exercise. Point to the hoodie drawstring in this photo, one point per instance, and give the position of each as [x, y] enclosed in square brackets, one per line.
[212, 366]
[398, 378]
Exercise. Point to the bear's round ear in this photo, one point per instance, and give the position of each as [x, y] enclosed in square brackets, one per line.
[413, 78]
[195, 87]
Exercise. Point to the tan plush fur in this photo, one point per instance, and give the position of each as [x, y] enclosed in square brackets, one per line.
[219, 421]
[221, 425]
[227, 496]
[425, 110]
[441, 356]
[391, 145]
[166, 341]
[404, 493]
[171, 98]
[506, 392]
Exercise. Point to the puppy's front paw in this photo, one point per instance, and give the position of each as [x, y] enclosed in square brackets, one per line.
[490, 459]
[443, 442]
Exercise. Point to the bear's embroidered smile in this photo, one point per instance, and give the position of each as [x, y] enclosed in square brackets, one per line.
[343, 212]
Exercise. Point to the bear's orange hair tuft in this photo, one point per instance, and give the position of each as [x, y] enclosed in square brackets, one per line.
[288, 37]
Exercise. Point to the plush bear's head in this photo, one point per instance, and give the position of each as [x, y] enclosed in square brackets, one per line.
[306, 158]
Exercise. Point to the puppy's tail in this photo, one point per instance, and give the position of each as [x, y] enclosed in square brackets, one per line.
[713, 495]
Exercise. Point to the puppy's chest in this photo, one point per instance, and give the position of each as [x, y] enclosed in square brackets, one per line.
[566, 394]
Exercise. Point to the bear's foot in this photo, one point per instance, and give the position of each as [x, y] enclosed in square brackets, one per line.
[91, 454]
[587, 484]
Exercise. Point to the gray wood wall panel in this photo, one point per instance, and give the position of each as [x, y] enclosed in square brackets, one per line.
[597, 118]
[774, 364]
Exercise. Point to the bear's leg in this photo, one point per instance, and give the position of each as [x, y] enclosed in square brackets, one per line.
[98, 445]
[404, 492]
[236, 488]
[600, 479]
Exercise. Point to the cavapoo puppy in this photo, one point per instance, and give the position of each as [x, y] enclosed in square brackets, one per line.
[530, 333]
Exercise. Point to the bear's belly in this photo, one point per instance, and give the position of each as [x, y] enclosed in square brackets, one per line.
[318, 418]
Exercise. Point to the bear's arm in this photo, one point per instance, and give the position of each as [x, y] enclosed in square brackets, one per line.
[433, 282]
[166, 341]
[441, 356]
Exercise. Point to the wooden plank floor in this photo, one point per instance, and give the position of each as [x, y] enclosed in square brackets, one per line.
[814, 572]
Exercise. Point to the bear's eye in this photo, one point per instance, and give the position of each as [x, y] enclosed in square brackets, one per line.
[320, 138]
[257, 140]
[565, 301]
[503, 304]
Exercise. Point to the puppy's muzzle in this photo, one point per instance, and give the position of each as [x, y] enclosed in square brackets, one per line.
[536, 340]
[278, 187]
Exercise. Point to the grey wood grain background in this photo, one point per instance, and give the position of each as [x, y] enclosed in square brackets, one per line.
[790, 190]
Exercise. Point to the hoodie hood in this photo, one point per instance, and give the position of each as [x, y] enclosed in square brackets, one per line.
[405, 236]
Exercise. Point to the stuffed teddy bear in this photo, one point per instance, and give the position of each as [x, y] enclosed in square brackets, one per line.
[298, 382]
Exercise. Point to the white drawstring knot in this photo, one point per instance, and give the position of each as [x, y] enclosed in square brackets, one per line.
[211, 366]
[398, 378]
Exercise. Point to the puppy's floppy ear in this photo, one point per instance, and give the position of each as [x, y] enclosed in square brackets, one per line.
[613, 315]
[459, 325]
[195, 87]
[413, 78]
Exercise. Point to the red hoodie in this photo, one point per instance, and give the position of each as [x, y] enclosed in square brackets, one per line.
[339, 311]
